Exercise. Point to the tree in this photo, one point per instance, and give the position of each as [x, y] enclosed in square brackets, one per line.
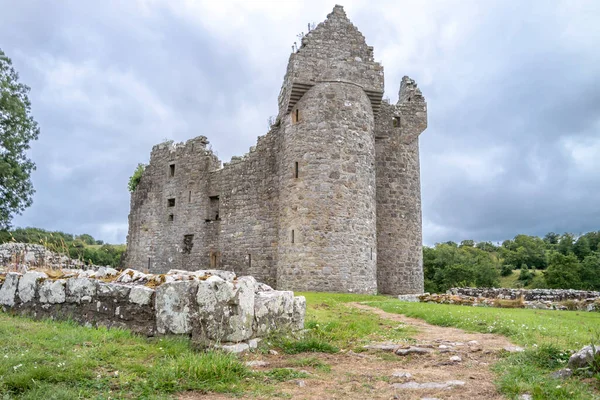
[563, 271]
[581, 248]
[17, 130]
[87, 239]
[565, 244]
[551, 238]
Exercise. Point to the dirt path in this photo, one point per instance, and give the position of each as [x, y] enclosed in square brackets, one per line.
[370, 374]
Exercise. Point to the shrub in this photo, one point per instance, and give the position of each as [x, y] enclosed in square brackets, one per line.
[134, 180]
[507, 270]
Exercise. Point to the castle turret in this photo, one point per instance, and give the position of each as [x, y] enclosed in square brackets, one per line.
[399, 225]
[327, 231]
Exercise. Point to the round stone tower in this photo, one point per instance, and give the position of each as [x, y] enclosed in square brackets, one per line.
[327, 234]
[327, 226]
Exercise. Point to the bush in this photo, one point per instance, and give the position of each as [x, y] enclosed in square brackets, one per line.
[507, 270]
[134, 180]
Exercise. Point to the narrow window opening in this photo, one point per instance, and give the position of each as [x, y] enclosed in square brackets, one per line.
[172, 170]
[295, 116]
[171, 217]
[296, 170]
[249, 260]
[213, 209]
[371, 253]
[171, 203]
[190, 197]
[214, 259]
[293, 238]
[396, 122]
[188, 243]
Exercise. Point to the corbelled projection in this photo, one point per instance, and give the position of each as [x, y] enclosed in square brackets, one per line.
[328, 200]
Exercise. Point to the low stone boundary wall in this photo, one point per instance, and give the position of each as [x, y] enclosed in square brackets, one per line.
[210, 306]
[509, 299]
[526, 294]
[28, 255]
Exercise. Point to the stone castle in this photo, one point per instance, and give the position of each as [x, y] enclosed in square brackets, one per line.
[328, 200]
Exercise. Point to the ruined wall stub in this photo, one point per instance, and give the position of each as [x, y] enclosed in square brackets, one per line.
[328, 200]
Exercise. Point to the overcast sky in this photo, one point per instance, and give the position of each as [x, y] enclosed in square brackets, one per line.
[513, 92]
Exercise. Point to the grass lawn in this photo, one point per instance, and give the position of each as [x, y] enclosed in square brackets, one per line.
[61, 360]
[512, 280]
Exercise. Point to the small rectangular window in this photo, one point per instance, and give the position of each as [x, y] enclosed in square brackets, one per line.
[171, 202]
[296, 170]
[396, 122]
[188, 243]
[172, 170]
[295, 116]
[213, 208]
[249, 260]
[293, 238]
[171, 217]
[214, 259]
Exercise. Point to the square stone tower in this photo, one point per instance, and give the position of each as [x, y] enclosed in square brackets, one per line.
[328, 200]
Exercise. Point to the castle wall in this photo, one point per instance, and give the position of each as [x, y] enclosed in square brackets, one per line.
[327, 213]
[248, 196]
[157, 241]
[222, 217]
[399, 223]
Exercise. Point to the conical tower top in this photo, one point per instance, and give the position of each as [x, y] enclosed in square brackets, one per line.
[335, 51]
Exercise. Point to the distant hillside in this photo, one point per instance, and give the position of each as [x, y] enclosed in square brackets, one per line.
[556, 261]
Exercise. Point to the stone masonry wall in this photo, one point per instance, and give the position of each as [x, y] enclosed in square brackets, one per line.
[527, 294]
[210, 306]
[399, 223]
[248, 196]
[170, 202]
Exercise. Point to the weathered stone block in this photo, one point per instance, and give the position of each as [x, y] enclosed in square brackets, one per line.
[299, 313]
[242, 310]
[114, 291]
[28, 285]
[8, 291]
[141, 295]
[52, 292]
[272, 311]
[81, 290]
[176, 307]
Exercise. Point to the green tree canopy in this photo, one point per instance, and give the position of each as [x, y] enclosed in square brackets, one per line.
[17, 130]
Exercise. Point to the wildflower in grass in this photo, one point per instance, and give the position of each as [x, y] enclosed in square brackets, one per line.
[16, 367]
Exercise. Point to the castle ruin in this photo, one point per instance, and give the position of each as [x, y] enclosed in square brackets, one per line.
[328, 200]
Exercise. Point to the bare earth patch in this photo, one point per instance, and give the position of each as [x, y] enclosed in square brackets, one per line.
[370, 374]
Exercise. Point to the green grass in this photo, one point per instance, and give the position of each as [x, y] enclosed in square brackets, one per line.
[569, 330]
[512, 280]
[63, 361]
